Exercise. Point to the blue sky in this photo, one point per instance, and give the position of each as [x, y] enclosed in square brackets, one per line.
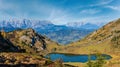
[61, 11]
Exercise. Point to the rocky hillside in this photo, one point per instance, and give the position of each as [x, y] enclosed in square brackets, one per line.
[26, 48]
[29, 41]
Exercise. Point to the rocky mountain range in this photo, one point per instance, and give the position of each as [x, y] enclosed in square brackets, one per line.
[62, 34]
[83, 25]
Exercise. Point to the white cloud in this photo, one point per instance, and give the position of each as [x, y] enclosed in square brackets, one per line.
[58, 16]
[102, 2]
[117, 8]
[89, 11]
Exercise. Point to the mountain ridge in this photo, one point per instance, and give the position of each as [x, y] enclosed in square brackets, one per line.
[54, 32]
[84, 25]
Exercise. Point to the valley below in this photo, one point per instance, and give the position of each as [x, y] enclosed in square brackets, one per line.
[105, 40]
[26, 46]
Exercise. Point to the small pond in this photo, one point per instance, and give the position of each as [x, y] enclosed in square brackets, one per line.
[74, 58]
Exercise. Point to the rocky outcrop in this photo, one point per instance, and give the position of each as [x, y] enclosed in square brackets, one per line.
[28, 40]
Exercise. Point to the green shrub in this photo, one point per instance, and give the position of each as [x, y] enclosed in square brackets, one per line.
[116, 41]
[99, 62]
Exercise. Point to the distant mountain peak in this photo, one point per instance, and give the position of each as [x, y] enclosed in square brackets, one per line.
[24, 23]
[83, 25]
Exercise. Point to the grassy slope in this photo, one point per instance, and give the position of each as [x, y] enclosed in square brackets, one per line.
[98, 41]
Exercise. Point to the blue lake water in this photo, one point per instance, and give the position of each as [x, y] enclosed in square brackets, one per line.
[74, 58]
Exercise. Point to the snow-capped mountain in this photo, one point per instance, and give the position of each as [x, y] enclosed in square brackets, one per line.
[63, 34]
[75, 24]
[25, 23]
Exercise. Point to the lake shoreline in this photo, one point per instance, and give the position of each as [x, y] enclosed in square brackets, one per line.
[83, 58]
[80, 64]
[77, 53]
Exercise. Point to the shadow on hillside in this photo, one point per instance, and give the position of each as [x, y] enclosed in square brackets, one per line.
[7, 46]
